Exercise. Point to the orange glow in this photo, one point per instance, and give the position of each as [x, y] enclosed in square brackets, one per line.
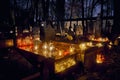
[66, 53]
[25, 43]
[100, 39]
[9, 42]
[100, 58]
[47, 49]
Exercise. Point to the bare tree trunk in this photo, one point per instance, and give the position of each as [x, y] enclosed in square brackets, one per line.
[106, 18]
[93, 6]
[47, 9]
[43, 9]
[60, 12]
[36, 9]
[89, 8]
[27, 4]
[101, 16]
[14, 24]
[71, 11]
[83, 17]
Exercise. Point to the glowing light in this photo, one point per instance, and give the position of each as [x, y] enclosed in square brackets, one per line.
[60, 52]
[69, 37]
[71, 49]
[25, 43]
[51, 48]
[82, 46]
[63, 65]
[25, 31]
[111, 43]
[37, 38]
[99, 45]
[58, 34]
[119, 37]
[109, 46]
[11, 31]
[9, 42]
[45, 53]
[19, 42]
[92, 39]
[90, 44]
[36, 47]
[99, 58]
[100, 39]
[45, 46]
[66, 53]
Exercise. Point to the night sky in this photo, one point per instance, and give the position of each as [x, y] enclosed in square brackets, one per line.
[6, 6]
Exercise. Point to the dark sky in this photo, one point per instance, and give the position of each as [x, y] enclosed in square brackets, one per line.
[4, 8]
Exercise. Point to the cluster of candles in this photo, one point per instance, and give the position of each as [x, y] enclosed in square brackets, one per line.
[50, 50]
[58, 50]
[85, 45]
[62, 65]
[100, 39]
[25, 43]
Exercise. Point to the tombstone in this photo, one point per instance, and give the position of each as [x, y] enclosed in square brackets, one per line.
[49, 33]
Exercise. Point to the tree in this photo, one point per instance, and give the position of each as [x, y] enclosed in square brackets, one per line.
[60, 12]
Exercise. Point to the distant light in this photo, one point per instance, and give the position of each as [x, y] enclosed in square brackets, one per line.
[118, 37]
[58, 34]
[42, 24]
[11, 31]
[25, 31]
[90, 44]
[111, 43]
[109, 46]
[9, 42]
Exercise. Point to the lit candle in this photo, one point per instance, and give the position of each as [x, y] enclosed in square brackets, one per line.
[82, 46]
[99, 45]
[36, 47]
[60, 52]
[71, 49]
[51, 47]
[44, 46]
